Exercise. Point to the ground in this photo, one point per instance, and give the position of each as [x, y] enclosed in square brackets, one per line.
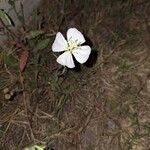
[101, 105]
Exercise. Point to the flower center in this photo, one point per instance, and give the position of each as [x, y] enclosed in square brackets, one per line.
[72, 45]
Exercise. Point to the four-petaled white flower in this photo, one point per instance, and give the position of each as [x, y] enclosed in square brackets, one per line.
[71, 47]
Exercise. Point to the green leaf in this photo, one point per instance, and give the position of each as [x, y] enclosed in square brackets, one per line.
[33, 34]
[36, 147]
[42, 44]
[10, 61]
[4, 15]
[1, 132]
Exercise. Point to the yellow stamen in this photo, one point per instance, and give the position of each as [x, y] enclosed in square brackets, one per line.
[72, 45]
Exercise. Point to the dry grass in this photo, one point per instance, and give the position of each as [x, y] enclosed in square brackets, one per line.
[105, 106]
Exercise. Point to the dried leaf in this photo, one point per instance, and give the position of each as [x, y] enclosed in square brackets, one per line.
[23, 60]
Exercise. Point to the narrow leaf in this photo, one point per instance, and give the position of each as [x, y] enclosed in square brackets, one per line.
[33, 34]
[36, 147]
[4, 15]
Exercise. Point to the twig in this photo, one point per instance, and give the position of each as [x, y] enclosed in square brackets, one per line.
[26, 109]
[62, 15]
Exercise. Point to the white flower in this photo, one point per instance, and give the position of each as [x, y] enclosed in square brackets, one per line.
[71, 46]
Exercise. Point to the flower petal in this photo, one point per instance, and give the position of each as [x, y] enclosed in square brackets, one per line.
[82, 53]
[74, 35]
[66, 59]
[59, 44]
